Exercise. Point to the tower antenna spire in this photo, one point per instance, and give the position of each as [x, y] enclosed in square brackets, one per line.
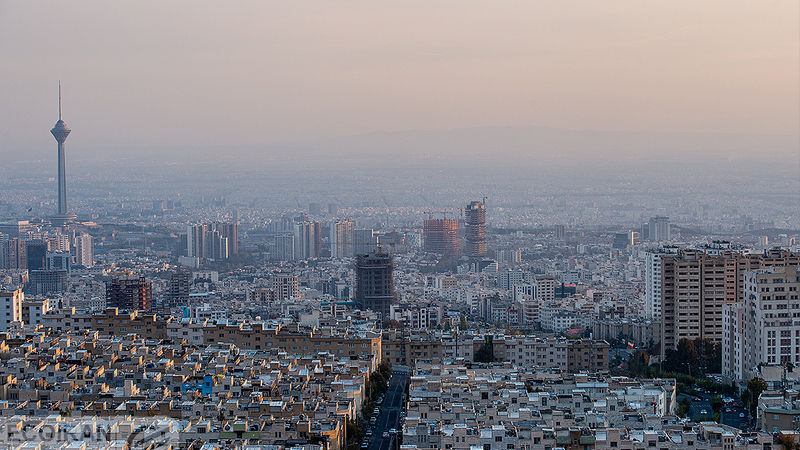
[59, 99]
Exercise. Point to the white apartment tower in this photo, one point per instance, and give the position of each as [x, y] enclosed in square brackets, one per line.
[195, 240]
[659, 229]
[10, 308]
[84, 250]
[768, 328]
[652, 281]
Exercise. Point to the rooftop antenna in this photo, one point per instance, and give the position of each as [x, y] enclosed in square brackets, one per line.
[59, 99]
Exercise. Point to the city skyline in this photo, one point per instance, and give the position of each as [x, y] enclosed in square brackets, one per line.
[420, 225]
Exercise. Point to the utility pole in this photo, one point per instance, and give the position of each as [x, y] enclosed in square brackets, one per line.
[783, 382]
[457, 340]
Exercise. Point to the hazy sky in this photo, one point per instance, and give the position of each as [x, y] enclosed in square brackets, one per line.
[156, 73]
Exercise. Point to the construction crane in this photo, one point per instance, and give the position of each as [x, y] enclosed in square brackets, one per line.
[443, 212]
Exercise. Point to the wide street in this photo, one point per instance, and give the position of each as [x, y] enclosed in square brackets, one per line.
[390, 412]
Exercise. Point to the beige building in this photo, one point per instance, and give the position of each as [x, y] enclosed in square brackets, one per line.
[284, 286]
[568, 355]
[697, 284]
[260, 296]
[33, 311]
[258, 335]
[640, 332]
[545, 288]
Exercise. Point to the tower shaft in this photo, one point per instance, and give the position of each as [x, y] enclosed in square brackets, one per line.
[62, 181]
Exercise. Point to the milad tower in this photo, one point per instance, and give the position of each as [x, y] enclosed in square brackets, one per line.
[60, 131]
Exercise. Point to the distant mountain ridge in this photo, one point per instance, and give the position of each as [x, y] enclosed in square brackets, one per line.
[513, 146]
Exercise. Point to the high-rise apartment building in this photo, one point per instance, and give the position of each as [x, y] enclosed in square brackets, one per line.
[765, 328]
[217, 246]
[59, 260]
[229, 231]
[212, 241]
[10, 308]
[659, 229]
[560, 232]
[36, 251]
[307, 240]
[14, 254]
[696, 285]
[178, 288]
[44, 282]
[284, 246]
[341, 238]
[375, 283]
[135, 293]
[475, 236]
[84, 250]
[58, 242]
[644, 232]
[624, 240]
[652, 280]
[195, 240]
[441, 236]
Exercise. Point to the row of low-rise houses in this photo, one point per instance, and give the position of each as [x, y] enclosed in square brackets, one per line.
[454, 406]
[301, 391]
[251, 335]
